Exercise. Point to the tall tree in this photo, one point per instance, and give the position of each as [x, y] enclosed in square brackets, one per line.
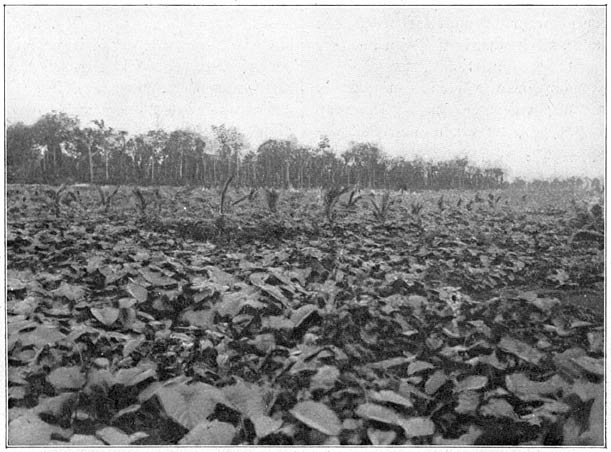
[20, 152]
[55, 133]
[230, 141]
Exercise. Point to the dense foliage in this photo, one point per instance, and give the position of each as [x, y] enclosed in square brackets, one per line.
[167, 316]
[57, 148]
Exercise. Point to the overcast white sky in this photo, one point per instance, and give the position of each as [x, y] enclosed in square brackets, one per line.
[518, 86]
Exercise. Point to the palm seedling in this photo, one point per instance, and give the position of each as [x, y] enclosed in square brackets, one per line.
[353, 198]
[143, 203]
[106, 198]
[380, 210]
[492, 201]
[71, 197]
[330, 199]
[416, 208]
[56, 197]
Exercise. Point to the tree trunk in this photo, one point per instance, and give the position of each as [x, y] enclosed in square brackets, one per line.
[214, 172]
[182, 157]
[90, 164]
[106, 158]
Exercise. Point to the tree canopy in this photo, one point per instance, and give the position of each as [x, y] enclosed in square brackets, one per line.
[57, 148]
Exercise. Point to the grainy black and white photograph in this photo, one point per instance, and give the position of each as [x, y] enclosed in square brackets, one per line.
[304, 225]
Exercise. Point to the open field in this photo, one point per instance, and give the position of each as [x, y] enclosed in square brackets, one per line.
[440, 318]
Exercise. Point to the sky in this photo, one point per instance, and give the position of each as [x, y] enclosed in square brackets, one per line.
[518, 87]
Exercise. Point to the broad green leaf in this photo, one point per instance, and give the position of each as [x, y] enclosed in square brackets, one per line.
[191, 404]
[595, 434]
[41, 336]
[276, 322]
[325, 378]
[14, 284]
[152, 389]
[591, 365]
[298, 316]
[378, 413]
[208, 433]
[67, 378]
[137, 291]
[16, 392]
[134, 375]
[265, 425]
[435, 381]
[113, 436]
[498, 408]
[390, 363]
[231, 303]
[85, 440]
[391, 397]
[596, 341]
[157, 279]
[264, 342]
[107, 315]
[418, 366]
[468, 402]
[94, 263]
[381, 437]
[29, 430]
[201, 318]
[131, 345]
[521, 350]
[471, 383]
[490, 360]
[70, 291]
[246, 398]
[528, 390]
[221, 278]
[58, 406]
[417, 426]
[317, 416]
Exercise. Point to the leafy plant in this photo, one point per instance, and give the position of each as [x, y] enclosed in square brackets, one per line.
[331, 198]
[55, 197]
[353, 198]
[106, 198]
[368, 336]
[381, 210]
[143, 203]
[416, 208]
[492, 201]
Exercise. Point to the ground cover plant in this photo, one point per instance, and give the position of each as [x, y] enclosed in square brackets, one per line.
[190, 316]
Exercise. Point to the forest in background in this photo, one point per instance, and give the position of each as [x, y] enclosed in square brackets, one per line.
[56, 148]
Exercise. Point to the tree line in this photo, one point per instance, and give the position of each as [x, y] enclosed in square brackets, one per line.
[56, 148]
